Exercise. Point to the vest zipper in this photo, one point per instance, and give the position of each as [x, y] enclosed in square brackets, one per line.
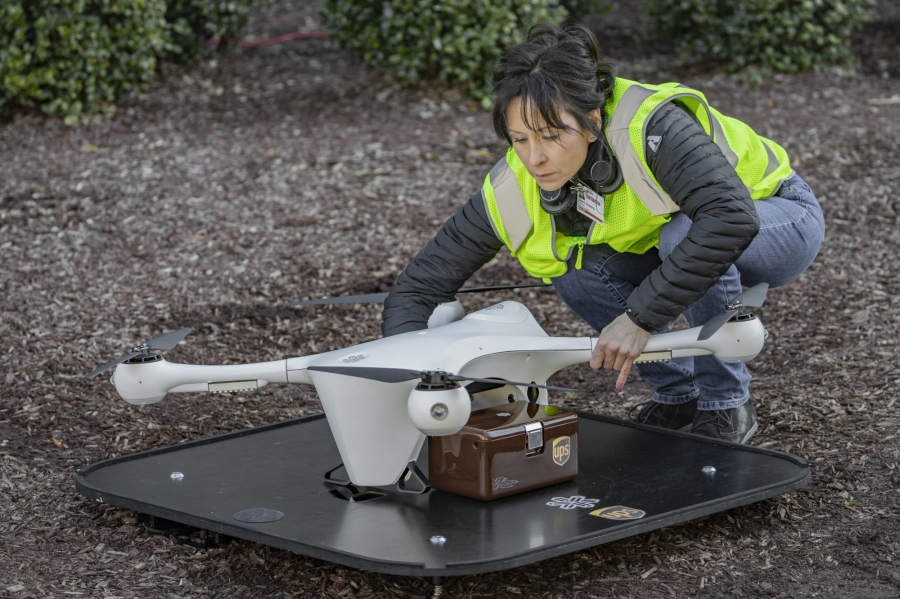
[578, 257]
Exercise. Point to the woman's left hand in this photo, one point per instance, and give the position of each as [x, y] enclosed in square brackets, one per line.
[620, 342]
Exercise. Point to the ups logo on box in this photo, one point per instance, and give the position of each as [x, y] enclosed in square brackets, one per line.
[562, 449]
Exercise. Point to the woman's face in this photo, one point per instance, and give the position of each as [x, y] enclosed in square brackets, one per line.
[552, 156]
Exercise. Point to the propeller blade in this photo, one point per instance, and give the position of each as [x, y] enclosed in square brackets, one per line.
[163, 342]
[168, 341]
[383, 375]
[369, 298]
[753, 297]
[502, 287]
[115, 362]
[377, 298]
[455, 377]
[715, 323]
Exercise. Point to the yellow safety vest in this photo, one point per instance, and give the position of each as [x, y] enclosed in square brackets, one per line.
[634, 213]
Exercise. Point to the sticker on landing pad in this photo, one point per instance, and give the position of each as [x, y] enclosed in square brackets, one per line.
[501, 482]
[570, 503]
[619, 512]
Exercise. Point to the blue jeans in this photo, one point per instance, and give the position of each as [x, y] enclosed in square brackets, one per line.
[790, 235]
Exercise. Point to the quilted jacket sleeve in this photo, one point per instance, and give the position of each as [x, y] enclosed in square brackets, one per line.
[464, 244]
[695, 173]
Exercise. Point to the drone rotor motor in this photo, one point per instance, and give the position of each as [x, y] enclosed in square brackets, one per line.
[141, 381]
[438, 406]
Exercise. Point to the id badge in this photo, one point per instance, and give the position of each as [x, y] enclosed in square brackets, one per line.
[590, 204]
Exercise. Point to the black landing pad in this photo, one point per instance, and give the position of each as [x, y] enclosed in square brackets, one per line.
[239, 484]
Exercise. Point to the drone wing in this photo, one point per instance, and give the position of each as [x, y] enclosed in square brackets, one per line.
[383, 375]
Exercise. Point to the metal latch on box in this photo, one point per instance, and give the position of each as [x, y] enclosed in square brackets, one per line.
[534, 437]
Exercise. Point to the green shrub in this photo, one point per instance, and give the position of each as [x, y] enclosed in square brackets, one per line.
[578, 9]
[72, 57]
[191, 22]
[778, 35]
[456, 42]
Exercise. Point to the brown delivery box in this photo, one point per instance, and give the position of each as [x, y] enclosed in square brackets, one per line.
[504, 450]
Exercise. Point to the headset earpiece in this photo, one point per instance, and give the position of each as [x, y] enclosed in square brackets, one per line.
[613, 181]
[601, 167]
[604, 168]
[600, 171]
[557, 201]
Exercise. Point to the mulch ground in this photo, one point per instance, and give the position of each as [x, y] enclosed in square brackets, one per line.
[263, 176]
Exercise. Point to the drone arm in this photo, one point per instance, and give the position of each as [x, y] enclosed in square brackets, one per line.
[149, 382]
[677, 344]
[296, 368]
[736, 341]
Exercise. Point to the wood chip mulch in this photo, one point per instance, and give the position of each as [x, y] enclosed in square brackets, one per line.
[262, 176]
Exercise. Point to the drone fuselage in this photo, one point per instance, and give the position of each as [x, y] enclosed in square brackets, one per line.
[372, 422]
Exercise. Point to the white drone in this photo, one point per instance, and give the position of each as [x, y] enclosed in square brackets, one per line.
[381, 398]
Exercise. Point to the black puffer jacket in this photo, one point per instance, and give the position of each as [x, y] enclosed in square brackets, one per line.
[689, 167]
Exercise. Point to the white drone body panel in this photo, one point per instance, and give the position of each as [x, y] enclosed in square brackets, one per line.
[373, 422]
[370, 420]
[372, 431]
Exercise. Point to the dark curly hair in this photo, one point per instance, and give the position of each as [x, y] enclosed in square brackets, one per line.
[553, 69]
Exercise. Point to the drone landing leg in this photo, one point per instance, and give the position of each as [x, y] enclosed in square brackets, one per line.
[343, 488]
[438, 587]
[412, 481]
[331, 480]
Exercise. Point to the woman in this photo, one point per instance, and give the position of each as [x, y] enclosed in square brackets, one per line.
[639, 203]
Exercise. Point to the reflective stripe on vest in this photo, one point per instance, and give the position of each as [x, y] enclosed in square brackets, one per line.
[514, 218]
[639, 178]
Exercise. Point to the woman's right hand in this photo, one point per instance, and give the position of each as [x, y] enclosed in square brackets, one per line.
[619, 344]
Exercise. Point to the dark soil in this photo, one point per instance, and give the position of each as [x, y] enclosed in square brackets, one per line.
[290, 172]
